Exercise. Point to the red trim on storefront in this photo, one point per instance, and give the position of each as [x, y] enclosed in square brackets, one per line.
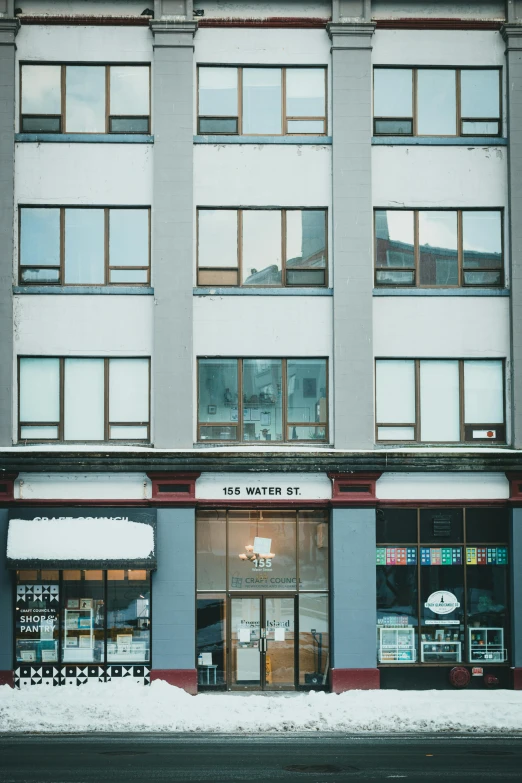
[86, 21]
[438, 24]
[445, 502]
[273, 503]
[515, 486]
[187, 679]
[7, 678]
[7, 481]
[298, 22]
[354, 488]
[517, 679]
[174, 487]
[355, 679]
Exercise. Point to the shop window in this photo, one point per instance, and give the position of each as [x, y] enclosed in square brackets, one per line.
[242, 400]
[37, 617]
[461, 610]
[440, 400]
[262, 247]
[262, 101]
[314, 644]
[262, 550]
[85, 98]
[83, 617]
[211, 541]
[128, 616]
[211, 640]
[84, 246]
[437, 102]
[428, 248]
[313, 550]
[397, 525]
[83, 399]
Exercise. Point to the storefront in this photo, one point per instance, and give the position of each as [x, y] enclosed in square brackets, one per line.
[256, 581]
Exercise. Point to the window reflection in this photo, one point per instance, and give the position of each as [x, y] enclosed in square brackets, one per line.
[305, 247]
[217, 247]
[129, 237]
[313, 550]
[436, 102]
[262, 108]
[394, 246]
[211, 541]
[272, 568]
[305, 89]
[438, 257]
[83, 616]
[85, 99]
[84, 246]
[261, 247]
[314, 641]
[482, 247]
[480, 93]
[41, 89]
[40, 237]
[393, 101]
[218, 398]
[129, 90]
[210, 643]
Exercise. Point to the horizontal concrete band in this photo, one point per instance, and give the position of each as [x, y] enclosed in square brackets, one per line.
[85, 138]
[317, 140]
[441, 292]
[440, 141]
[263, 291]
[84, 289]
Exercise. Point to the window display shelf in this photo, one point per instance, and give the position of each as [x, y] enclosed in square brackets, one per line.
[397, 645]
[78, 636]
[486, 644]
[432, 652]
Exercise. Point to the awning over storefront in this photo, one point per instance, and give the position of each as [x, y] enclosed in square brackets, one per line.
[80, 542]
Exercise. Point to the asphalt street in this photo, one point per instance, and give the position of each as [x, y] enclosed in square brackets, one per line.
[317, 758]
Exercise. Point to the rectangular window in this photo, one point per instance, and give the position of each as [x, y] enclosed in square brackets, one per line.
[439, 248]
[442, 593]
[83, 399]
[437, 102]
[278, 400]
[84, 246]
[85, 98]
[262, 101]
[262, 247]
[440, 400]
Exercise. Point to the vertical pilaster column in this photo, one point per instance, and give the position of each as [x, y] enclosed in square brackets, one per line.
[8, 30]
[172, 233]
[352, 234]
[174, 599]
[353, 599]
[512, 34]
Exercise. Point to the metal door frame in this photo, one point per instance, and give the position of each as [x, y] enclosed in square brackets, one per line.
[261, 597]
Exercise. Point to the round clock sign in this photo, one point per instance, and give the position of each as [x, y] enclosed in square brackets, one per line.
[442, 602]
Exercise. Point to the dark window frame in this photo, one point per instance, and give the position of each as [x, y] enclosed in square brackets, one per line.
[465, 429]
[459, 119]
[108, 268]
[463, 545]
[284, 117]
[107, 424]
[239, 268]
[62, 117]
[415, 268]
[285, 423]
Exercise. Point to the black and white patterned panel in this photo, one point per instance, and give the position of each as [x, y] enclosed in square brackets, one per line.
[25, 676]
[47, 674]
[81, 675]
[47, 593]
[141, 674]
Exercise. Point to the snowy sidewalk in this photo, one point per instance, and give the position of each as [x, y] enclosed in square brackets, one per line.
[125, 706]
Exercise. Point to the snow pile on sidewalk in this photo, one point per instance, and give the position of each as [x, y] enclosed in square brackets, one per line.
[126, 706]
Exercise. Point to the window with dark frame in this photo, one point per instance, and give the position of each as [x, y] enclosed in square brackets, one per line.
[440, 400]
[84, 246]
[439, 248]
[84, 98]
[437, 101]
[442, 586]
[83, 399]
[267, 101]
[262, 247]
[277, 400]
[82, 616]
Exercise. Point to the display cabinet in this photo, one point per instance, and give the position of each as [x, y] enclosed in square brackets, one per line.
[441, 652]
[397, 645]
[486, 644]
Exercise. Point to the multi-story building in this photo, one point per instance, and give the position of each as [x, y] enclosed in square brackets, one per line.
[261, 344]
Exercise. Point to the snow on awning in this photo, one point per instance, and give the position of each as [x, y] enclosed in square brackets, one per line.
[81, 542]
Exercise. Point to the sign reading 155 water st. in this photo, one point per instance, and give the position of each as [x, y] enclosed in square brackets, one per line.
[273, 486]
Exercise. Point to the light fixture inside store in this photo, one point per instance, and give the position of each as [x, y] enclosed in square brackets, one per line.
[259, 544]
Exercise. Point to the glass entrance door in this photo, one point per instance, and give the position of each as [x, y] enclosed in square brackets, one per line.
[262, 633]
